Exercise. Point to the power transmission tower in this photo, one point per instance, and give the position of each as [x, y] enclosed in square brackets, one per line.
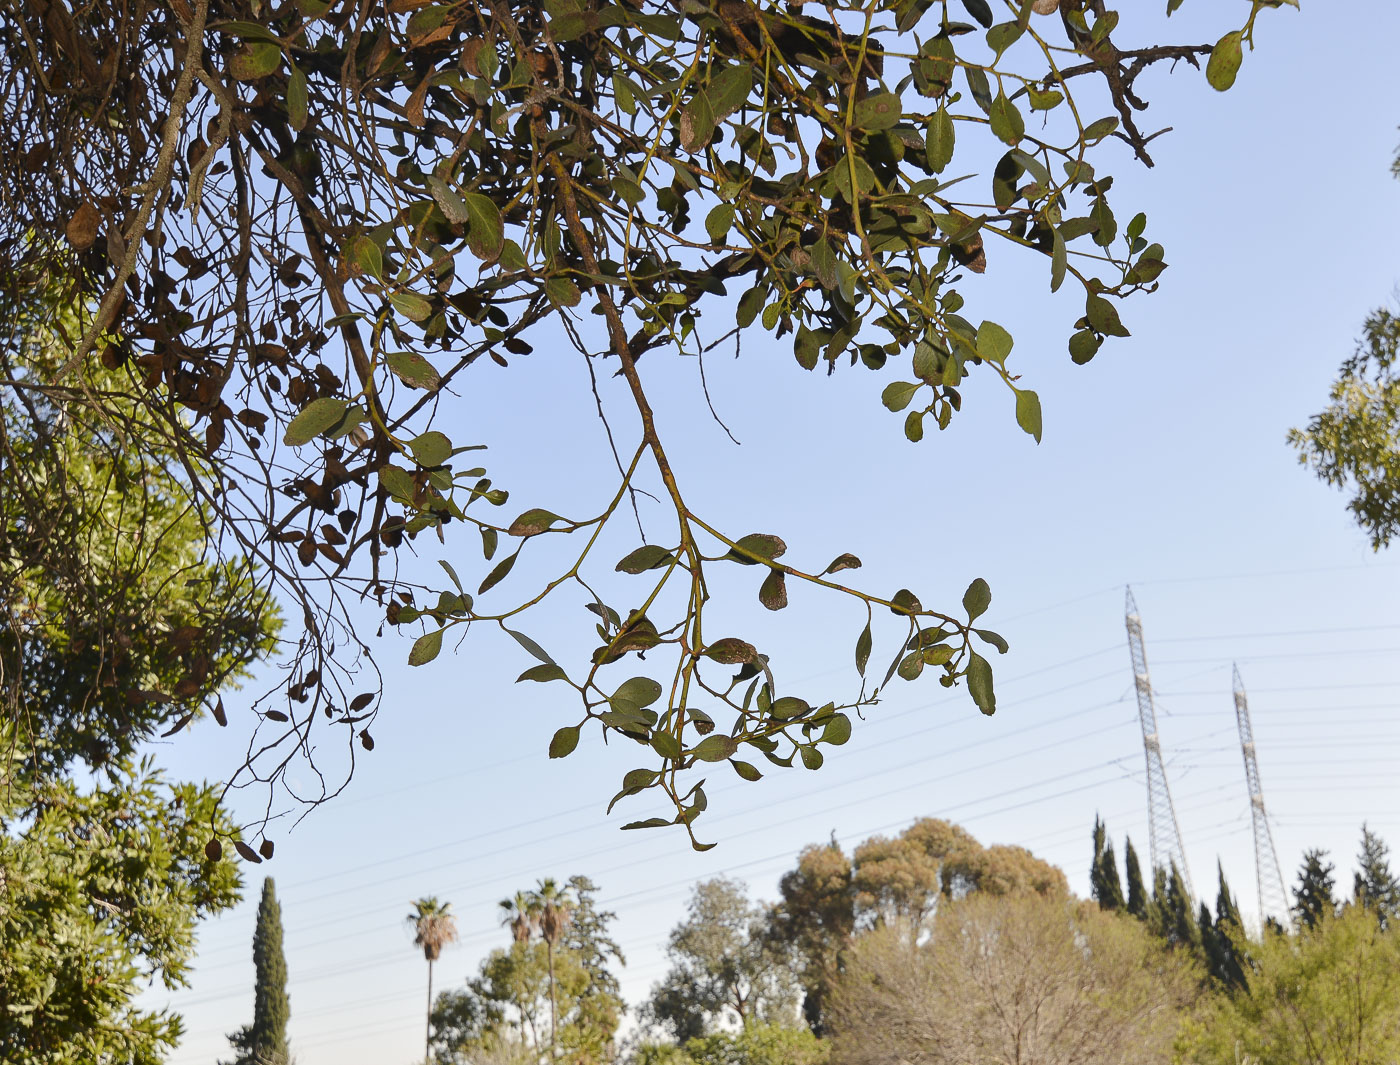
[1163, 832]
[1273, 899]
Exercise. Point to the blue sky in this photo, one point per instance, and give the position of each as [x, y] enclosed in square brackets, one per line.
[1163, 465]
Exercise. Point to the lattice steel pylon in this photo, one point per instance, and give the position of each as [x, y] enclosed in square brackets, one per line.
[1273, 899]
[1163, 832]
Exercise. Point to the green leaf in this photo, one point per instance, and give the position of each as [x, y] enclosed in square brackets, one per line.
[979, 683]
[715, 749]
[564, 742]
[1083, 346]
[628, 191]
[863, 645]
[431, 448]
[905, 603]
[666, 745]
[789, 707]
[911, 666]
[840, 562]
[512, 258]
[1103, 316]
[452, 573]
[914, 426]
[697, 122]
[1224, 63]
[939, 140]
[256, 59]
[533, 522]
[562, 292]
[883, 110]
[993, 342]
[1007, 123]
[837, 731]
[1028, 412]
[313, 420]
[1059, 261]
[485, 232]
[978, 85]
[977, 599]
[745, 770]
[366, 256]
[531, 646]
[411, 305]
[1002, 36]
[453, 207]
[897, 394]
[773, 592]
[764, 545]
[731, 651]
[841, 175]
[1098, 130]
[296, 99]
[729, 89]
[397, 483]
[543, 674]
[812, 758]
[637, 693]
[718, 221]
[256, 30]
[995, 639]
[425, 648]
[648, 556]
[413, 370]
[1106, 225]
[498, 574]
[650, 822]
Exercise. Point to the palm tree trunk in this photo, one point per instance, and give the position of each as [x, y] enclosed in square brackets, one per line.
[428, 1034]
[553, 1008]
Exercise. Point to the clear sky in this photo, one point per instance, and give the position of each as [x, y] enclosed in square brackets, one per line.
[1163, 466]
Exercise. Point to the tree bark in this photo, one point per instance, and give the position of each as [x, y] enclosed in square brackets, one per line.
[428, 1028]
[553, 1007]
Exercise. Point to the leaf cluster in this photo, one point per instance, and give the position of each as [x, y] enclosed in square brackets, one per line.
[294, 228]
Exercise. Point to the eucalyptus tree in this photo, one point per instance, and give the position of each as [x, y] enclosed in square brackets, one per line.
[301, 230]
[434, 927]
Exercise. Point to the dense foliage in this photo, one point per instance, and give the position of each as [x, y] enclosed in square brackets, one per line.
[101, 887]
[545, 997]
[296, 229]
[962, 971]
[118, 620]
[1355, 442]
[1329, 994]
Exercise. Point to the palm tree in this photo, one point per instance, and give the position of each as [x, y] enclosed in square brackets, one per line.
[520, 916]
[433, 928]
[554, 909]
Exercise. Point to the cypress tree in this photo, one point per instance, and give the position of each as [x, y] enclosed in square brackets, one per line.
[1375, 886]
[1158, 915]
[1103, 876]
[1112, 885]
[1180, 924]
[1228, 935]
[1137, 891]
[264, 1042]
[1212, 946]
[271, 1010]
[1313, 898]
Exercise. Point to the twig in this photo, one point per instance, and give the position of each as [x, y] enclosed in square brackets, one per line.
[155, 188]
